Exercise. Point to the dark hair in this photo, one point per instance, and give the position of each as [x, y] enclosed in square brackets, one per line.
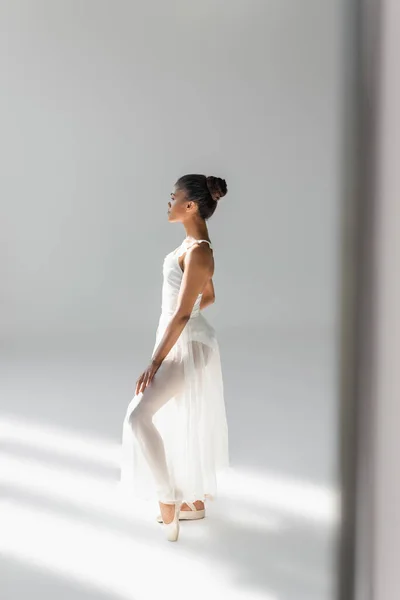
[205, 191]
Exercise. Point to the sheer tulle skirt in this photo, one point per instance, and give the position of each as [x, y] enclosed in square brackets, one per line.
[188, 410]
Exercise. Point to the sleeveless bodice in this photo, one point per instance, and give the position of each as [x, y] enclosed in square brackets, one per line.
[172, 278]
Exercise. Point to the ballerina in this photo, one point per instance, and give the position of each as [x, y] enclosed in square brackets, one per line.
[175, 432]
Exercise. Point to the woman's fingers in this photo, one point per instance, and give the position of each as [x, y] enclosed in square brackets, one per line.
[138, 384]
[146, 378]
[144, 381]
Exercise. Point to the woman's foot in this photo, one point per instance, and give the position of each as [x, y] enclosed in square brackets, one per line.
[167, 512]
[199, 504]
[170, 520]
[190, 511]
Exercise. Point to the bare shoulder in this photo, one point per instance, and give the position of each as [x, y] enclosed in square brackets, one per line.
[201, 256]
[200, 253]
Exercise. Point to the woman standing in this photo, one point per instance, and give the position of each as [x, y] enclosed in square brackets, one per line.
[175, 433]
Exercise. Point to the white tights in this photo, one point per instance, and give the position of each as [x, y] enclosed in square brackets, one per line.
[167, 382]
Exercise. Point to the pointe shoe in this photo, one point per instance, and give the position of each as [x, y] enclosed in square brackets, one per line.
[188, 515]
[172, 529]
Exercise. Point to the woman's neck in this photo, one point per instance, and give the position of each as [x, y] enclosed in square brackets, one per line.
[197, 235]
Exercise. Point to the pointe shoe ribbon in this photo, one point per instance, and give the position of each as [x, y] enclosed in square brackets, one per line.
[188, 515]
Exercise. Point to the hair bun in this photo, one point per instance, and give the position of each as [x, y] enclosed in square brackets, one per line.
[217, 187]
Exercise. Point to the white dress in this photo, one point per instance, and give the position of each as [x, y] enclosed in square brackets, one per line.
[178, 443]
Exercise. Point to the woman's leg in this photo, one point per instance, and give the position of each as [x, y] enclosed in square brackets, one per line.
[167, 382]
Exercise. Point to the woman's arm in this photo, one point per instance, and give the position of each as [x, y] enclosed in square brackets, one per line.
[208, 296]
[198, 270]
[198, 265]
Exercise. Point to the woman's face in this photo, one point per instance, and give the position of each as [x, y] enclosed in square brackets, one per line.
[179, 207]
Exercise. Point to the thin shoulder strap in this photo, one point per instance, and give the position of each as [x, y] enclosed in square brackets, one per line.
[196, 241]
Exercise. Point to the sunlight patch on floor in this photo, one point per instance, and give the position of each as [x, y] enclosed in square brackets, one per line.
[59, 441]
[110, 561]
[279, 493]
[287, 496]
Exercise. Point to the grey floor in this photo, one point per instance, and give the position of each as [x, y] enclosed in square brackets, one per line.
[66, 533]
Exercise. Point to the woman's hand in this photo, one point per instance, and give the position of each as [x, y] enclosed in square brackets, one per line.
[146, 377]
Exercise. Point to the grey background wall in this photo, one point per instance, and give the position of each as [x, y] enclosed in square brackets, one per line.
[103, 106]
